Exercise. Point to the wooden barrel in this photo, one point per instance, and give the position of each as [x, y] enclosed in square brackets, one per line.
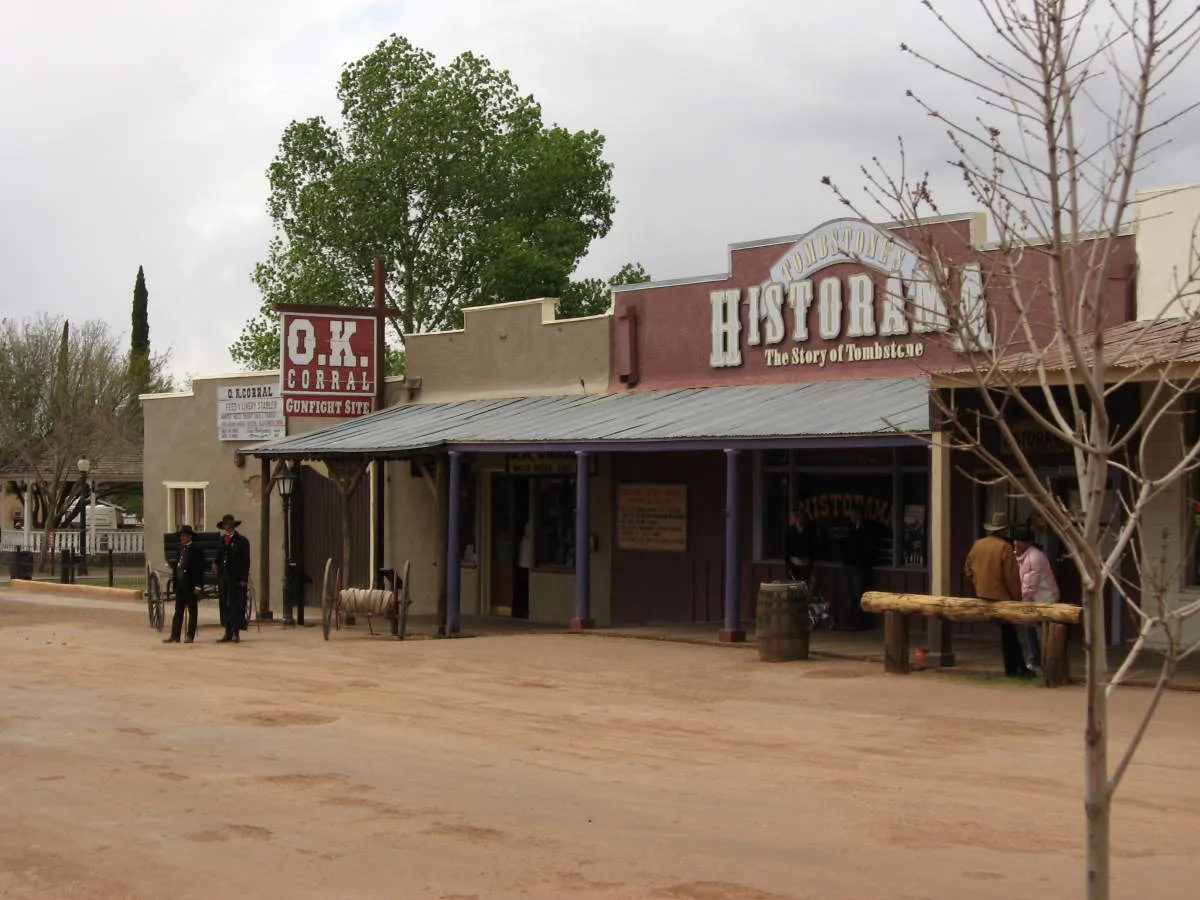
[782, 627]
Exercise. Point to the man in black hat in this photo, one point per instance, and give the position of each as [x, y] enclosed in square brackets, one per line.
[233, 577]
[187, 577]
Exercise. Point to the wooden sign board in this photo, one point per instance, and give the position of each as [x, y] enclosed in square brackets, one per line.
[652, 517]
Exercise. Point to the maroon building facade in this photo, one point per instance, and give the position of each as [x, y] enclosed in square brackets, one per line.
[844, 302]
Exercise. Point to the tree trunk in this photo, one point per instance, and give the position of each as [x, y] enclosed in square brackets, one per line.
[1096, 799]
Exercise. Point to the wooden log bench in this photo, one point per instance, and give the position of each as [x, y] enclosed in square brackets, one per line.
[1054, 618]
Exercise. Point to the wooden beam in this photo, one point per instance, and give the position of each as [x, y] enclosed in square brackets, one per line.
[972, 609]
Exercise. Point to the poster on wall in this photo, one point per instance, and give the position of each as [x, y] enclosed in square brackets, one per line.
[914, 535]
[328, 362]
[652, 517]
[249, 412]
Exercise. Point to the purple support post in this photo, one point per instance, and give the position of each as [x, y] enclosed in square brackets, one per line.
[453, 545]
[732, 632]
[583, 543]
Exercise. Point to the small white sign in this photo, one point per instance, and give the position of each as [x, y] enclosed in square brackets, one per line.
[250, 412]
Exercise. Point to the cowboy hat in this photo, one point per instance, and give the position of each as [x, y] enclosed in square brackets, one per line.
[229, 519]
[999, 523]
[186, 529]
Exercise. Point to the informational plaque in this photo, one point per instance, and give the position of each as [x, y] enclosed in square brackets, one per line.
[652, 517]
[250, 412]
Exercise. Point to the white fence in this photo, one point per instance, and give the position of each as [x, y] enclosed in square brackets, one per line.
[99, 541]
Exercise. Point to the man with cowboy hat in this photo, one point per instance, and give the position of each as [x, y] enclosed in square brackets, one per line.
[187, 576]
[233, 577]
[992, 568]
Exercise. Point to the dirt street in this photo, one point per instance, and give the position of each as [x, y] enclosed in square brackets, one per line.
[547, 766]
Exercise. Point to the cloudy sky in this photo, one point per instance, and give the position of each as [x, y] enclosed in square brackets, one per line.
[138, 132]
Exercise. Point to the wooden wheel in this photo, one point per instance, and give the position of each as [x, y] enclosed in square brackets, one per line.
[154, 601]
[326, 600]
[251, 612]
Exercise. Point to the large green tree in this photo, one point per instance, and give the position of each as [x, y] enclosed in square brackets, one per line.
[591, 296]
[446, 172]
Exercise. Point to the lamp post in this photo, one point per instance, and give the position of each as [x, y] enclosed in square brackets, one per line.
[84, 465]
[286, 480]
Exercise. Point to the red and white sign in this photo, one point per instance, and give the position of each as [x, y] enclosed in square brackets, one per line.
[328, 365]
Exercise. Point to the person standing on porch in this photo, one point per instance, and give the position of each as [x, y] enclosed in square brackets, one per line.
[524, 565]
[992, 568]
[799, 546]
[859, 562]
[233, 578]
[1037, 585]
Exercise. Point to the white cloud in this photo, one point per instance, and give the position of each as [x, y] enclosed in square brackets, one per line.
[138, 133]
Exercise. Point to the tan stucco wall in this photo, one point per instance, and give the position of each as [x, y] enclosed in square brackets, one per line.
[1167, 219]
[182, 445]
[514, 349]
[511, 350]
[1165, 531]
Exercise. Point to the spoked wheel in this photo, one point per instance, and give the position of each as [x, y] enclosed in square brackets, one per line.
[154, 601]
[326, 600]
[250, 613]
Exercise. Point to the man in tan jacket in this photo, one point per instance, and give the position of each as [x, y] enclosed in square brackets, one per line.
[992, 568]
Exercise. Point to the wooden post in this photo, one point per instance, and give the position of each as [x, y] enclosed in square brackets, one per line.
[895, 643]
[938, 636]
[443, 528]
[378, 528]
[1055, 669]
[264, 542]
[346, 474]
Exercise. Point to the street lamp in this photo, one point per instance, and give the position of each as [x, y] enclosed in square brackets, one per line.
[84, 465]
[286, 481]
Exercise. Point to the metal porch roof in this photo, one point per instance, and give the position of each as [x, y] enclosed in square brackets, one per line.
[690, 417]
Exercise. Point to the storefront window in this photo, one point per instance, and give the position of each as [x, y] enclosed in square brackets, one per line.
[826, 495]
[1192, 497]
[554, 522]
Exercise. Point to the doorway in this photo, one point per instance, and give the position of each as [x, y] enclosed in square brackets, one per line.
[510, 528]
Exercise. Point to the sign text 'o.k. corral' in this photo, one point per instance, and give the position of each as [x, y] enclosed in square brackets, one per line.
[329, 366]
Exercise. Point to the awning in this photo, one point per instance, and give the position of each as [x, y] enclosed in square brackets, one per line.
[862, 412]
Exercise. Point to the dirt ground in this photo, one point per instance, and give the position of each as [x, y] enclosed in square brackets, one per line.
[547, 766]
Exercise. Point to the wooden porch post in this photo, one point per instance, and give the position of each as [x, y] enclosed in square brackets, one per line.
[940, 652]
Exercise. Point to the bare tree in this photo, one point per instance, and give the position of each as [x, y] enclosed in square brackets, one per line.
[1070, 108]
[64, 394]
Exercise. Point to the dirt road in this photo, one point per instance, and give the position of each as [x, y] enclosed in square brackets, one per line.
[547, 766]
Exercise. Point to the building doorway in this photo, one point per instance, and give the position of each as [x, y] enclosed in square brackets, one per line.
[511, 537]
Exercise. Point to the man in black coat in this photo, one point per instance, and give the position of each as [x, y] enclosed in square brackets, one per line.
[187, 577]
[859, 562]
[233, 578]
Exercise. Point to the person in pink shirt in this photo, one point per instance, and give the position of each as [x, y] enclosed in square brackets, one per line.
[1037, 584]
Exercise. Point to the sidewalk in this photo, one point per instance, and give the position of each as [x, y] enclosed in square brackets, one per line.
[975, 653]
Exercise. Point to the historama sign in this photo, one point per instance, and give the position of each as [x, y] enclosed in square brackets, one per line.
[846, 299]
[328, 361]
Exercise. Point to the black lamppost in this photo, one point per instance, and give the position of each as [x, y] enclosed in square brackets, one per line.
[286, 480]
[84, 465]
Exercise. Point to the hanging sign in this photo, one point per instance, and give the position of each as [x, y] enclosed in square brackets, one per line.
[250, 412]
[328, 364]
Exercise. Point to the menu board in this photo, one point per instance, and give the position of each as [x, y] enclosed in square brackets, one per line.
[652, 517]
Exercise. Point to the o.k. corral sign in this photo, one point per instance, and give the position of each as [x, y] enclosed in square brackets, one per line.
[328, 361]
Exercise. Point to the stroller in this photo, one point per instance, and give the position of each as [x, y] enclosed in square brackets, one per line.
[820, 614]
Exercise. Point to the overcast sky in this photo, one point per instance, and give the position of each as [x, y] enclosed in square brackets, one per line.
[138, 133]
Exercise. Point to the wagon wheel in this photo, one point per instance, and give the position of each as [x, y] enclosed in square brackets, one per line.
[326, 601]
[154, 601]
[250, 614]
[405, 601]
